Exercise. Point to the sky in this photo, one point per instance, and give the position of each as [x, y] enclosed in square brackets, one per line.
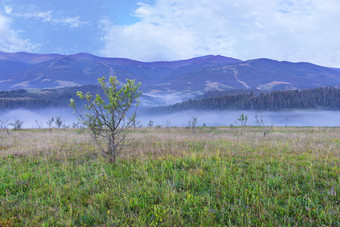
[155, 30]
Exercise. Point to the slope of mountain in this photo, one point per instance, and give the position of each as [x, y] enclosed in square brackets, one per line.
[196, 75]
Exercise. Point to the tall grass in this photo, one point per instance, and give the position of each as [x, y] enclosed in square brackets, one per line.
[172, 176]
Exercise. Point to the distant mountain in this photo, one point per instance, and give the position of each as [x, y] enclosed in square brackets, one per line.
[196, 75]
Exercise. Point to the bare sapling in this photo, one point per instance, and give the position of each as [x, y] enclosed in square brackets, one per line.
[192, 123]
[17, 124]
[260, 123]
[4, 126]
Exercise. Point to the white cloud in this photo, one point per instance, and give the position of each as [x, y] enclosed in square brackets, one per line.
[29, 12]
[45, 16]
[72, 22]
[9, 39]
[8, 9]
[294, 30]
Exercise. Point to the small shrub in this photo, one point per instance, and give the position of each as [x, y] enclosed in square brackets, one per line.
[192, 123]
[58, 122]
[39, 123]
[50, 122]
[243, 119]
[150, 124]
[265, 129]
[3, 124]
[168, 123]
[17, 124]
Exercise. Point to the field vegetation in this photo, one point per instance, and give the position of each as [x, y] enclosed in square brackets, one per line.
[172, 176]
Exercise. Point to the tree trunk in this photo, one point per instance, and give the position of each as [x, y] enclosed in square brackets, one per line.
[111, 148]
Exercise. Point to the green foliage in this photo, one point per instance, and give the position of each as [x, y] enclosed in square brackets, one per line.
[243, 119]
[109, 117]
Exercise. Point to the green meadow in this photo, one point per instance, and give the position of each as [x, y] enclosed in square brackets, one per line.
[172, 176]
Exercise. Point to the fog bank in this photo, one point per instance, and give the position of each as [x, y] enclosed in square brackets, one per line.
[228, 117]
[38, 118]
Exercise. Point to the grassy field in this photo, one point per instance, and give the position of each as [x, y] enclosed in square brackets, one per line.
[172, 176]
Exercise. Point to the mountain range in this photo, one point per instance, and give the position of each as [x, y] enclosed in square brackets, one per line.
[196, 75]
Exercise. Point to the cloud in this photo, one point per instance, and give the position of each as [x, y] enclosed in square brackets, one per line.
[28, 12]
[31, 12]
[148, 41]
[291, 30]
[72, 22]
[8, 9]
[10, 40]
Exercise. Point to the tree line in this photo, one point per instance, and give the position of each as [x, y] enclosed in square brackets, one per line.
[38, 99]
[318, 98]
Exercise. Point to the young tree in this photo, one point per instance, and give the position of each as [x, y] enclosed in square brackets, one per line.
[17, 124]
[260, 124]
[109, 117]
[58, 122]
[243, 119]
[39, 123]
[3, 124]
[192, 123]
[150, 124]
[50, 122]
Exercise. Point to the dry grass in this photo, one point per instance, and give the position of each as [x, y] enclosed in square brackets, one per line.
[177, 142]
[46, 142]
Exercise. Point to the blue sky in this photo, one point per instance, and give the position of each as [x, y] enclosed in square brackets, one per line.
[150, 30]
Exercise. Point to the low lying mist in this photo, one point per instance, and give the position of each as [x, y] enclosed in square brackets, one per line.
[39, 118]
[226, 118]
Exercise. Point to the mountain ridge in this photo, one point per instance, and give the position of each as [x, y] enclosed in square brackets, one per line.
[194, 75]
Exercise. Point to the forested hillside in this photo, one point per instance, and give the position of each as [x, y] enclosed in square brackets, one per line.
[37, 99]
[319, 98]
[246, 99]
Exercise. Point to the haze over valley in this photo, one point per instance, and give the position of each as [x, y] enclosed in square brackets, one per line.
[49, 81]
